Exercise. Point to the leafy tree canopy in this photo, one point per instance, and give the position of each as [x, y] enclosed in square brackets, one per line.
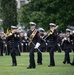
[9, 13]
[60, 12]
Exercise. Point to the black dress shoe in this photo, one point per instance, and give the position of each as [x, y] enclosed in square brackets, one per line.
[29, 67]
[68, 62]
[14, 64]
[72, 64]
[39, 63]
[64, 62]
[51, 65]
[33, 67]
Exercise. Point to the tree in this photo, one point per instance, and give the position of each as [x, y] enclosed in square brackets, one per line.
[9, 13]
[0, 10]
[60, 12]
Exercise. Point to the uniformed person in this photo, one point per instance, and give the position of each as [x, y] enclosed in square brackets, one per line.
[26, 42]
[59, 42]
[14, 42]
[72, 63]
[23, 42]
[1, 44]
[34, 43]
[67, 45]
[52, 42]
[42, 46]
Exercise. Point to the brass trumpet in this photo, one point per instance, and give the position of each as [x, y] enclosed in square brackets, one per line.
[49, 32]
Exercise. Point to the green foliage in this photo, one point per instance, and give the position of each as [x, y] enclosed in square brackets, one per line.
[0, 13]
[0, 10]
[43, 12]
[9, 13]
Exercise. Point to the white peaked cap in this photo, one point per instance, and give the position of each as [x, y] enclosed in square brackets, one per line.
[41, 29]
[52, 24]
[68, 30]
[13, 27]
[32, 23]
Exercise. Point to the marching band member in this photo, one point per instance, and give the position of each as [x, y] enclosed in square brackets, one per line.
[1, 44]
[42, 46]
[72, 63]
[34, 43]
[52, 42]
[67, 45]
[14, 42]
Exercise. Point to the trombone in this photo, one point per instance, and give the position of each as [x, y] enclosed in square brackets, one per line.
[49, 32]
[32, 36]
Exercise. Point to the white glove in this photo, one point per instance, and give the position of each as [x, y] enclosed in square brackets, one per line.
[37, 45]
[58, 44]
[23, 41]
[46, 44]
[65, 38]
[73, 31]
[22, 44]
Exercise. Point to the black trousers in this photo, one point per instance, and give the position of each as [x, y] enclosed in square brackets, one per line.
[13, 55]
[31, 56]
[7, 49]
[67, 56]
[39, 56]
[1, 51]
[51, 52]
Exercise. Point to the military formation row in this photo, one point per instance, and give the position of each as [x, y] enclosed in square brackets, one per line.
[37, 40]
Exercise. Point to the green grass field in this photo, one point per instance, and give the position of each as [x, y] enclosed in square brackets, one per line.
[23, 62]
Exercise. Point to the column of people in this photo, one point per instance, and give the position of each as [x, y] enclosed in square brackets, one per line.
[41, 41]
